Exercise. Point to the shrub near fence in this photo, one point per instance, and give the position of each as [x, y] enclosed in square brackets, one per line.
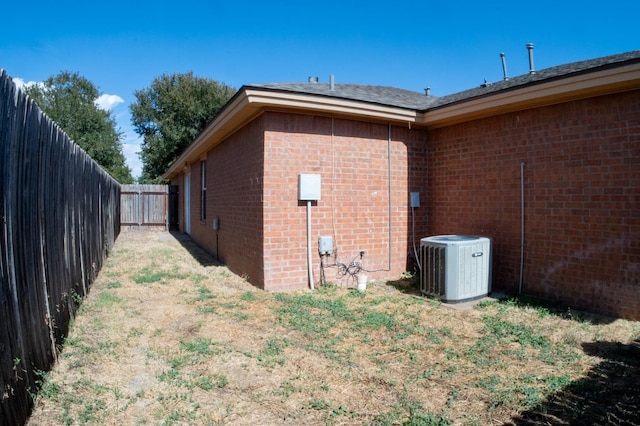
[60, 217]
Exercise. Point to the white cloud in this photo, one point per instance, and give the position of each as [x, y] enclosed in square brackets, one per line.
[107, 102]
[20, 83]
[131, 150]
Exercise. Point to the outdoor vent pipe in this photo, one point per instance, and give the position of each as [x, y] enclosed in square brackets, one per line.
[530, 49]
[504, 66]
[427, 91]
[332, 84]
[521, 224]
[313, 79]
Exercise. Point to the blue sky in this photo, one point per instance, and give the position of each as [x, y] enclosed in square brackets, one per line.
[121, 46]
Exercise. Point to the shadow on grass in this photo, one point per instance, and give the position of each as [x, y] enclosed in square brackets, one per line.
[609, 395]
[547, 307]
[408, 286]
[204, 258]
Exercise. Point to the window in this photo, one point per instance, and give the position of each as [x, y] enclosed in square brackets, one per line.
[203, 190]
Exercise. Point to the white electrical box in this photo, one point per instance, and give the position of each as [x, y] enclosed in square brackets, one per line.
[309, 187]
[325, 244]
[414, 199]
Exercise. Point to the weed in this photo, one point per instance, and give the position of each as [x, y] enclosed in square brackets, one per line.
[410, 413]
[286, 389]
[198, 346]
[273, 353]
[204, 382]
[222, 381]
[76, 297]
[205, 294]
[555, 383]
[92, 411]
[46, 388]
[134, 332]
[197, 278]
[206, 310]
[375, 319]
[515, 332]
[114, 284]
[485, 304]
[249, 296]
[148, 275]
[241, 316]
[318, 404]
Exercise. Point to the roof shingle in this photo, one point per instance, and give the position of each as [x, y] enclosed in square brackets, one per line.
[401, 98]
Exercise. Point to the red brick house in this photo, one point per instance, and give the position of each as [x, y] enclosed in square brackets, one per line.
[568, 135]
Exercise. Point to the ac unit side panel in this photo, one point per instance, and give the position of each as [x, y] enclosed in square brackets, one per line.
[473, 271]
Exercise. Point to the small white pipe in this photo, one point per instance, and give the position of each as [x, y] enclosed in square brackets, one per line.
[390, 195]
[309, 258]
[521, 225]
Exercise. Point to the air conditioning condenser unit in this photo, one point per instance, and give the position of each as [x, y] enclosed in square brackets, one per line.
[455, 268]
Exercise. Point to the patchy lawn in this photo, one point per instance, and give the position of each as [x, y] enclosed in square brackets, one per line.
[167, 336]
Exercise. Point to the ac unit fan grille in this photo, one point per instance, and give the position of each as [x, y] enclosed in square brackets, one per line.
[432, 277]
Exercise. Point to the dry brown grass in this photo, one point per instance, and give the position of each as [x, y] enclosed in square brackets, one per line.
[168, 337]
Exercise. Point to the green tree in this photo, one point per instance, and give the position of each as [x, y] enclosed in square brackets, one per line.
[69, 100]
[170, 114]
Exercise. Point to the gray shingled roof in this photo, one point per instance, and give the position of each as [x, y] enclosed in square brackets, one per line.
[382, 95]
[408, 99]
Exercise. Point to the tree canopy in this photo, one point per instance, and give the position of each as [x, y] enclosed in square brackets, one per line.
[170, 114]
[69, 100]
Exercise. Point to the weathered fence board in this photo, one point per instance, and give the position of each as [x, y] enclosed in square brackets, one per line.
[144, 206]
[60, 216]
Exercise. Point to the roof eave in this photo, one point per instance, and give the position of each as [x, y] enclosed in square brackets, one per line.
[250, 102]
[537, 94]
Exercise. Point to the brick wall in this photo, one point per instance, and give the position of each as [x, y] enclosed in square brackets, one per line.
[352, 159]
[582, 198]
[234, 195]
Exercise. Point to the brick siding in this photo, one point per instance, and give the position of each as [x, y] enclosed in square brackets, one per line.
[582, 198]
[352, 159]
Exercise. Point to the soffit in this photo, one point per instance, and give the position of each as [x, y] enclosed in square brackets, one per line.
[539, 94]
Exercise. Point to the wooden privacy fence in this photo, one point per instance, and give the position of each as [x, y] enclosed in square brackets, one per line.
[60, 217]
[144, 207]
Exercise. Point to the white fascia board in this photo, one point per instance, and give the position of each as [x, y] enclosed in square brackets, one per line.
[536, 95]
[329, 105]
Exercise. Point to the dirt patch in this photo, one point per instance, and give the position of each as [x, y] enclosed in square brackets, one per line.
[167, 336]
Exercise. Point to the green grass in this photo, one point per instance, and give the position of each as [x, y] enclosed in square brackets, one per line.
[332, 356]
[204, 294]
[107, 300]
[199, 346]
[249, 296]
[149, 274]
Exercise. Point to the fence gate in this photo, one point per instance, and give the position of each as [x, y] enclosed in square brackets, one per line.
[144, 207]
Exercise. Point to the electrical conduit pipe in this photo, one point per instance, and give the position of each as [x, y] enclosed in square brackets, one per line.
[521, 225]
[309, 257]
